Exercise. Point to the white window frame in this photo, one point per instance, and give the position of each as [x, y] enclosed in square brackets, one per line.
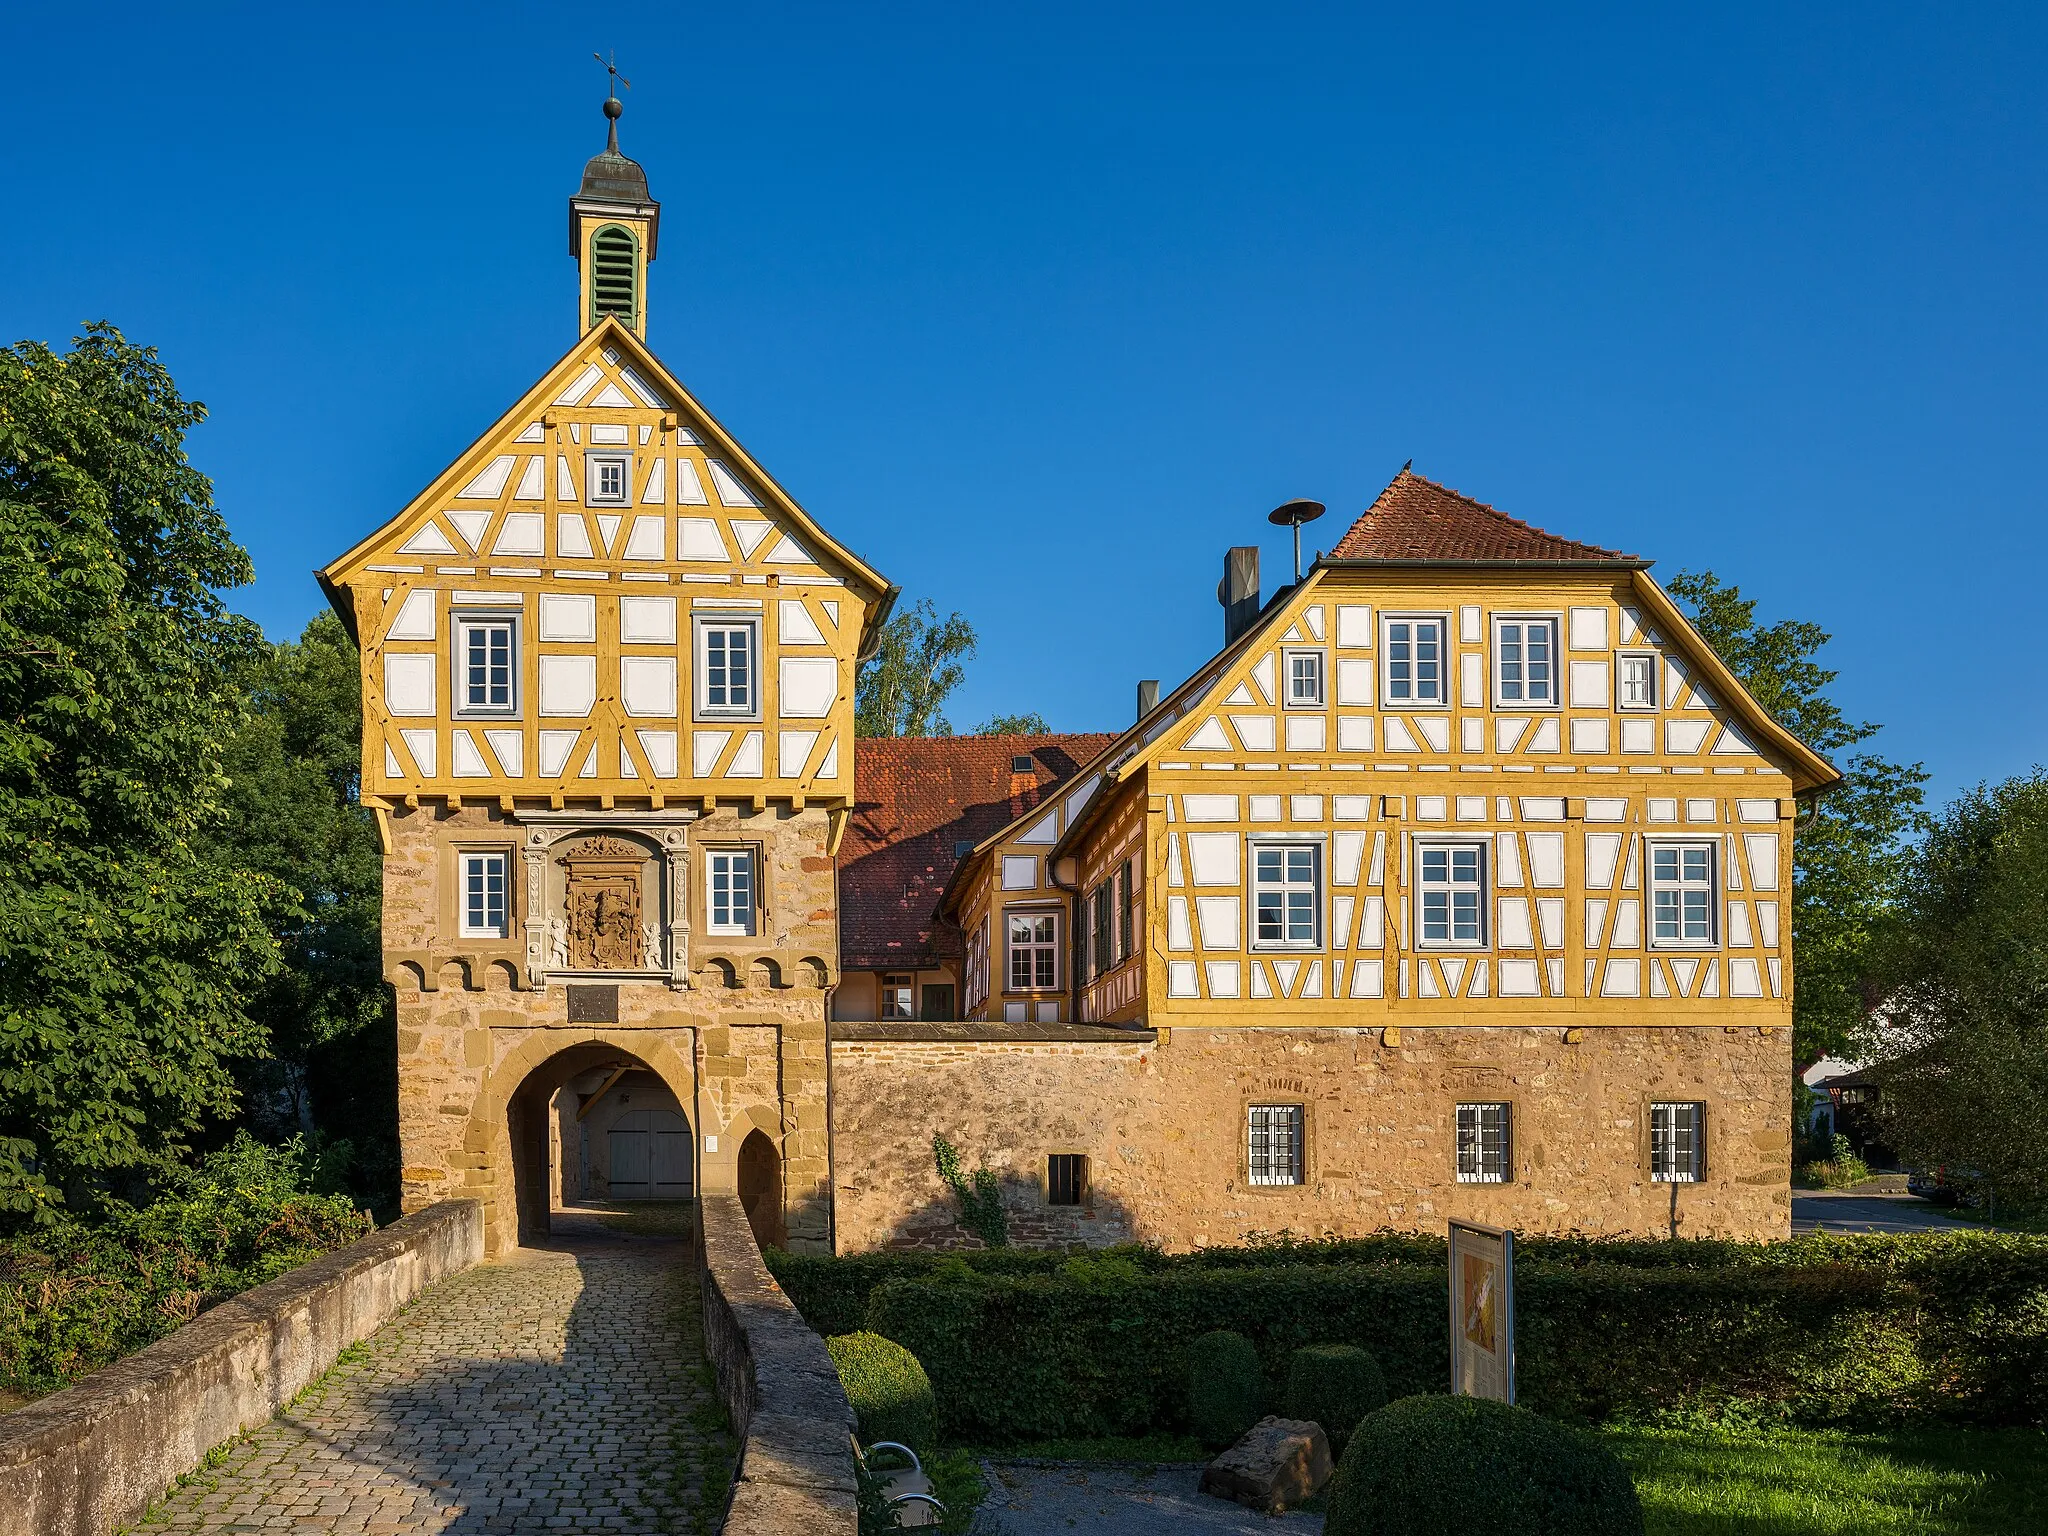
[461, 625]
[1444, 659]
[1034, 946]
[1676, 1158]
[1621, 664]
[1486, 1142]
[885, 992]
[477, 864]
[1287, 884]
[1481, 849]
[593, 473]
[1288, 699]
[1268, 1165]
[750, 860]
[1548, 621]
[702, 625]
[1653, 885]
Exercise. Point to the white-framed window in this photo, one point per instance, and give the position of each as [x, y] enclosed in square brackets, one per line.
[728, 670]
[974, 969]
[1682, 892]
[1450, 895]
[1678, 1143]
[1413, 650]
[606, 473]
[1273, 1143]
[1525, 662]
[1485, 1143]
[1304, 679]
[486, 664]
[730, 890]
[1287, 895]
[1635, 680]
[1034, 951]
[485, 909]
[899, 995]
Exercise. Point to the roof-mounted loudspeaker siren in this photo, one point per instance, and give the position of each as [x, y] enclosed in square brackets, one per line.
[1292, 514]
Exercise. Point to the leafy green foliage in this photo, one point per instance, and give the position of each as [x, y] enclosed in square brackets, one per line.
[981, 1199]
[294, 770]
[890, 1393]
[1822, 1329]
[127, 944]
[1850, 854]
[1032, 724]
[75, 1296]
[902, 689]
[1226, 1388]
[1334, 1385]
[1965, 1018]
[1448, 1466]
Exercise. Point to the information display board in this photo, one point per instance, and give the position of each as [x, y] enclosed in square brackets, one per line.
[1482, 1311]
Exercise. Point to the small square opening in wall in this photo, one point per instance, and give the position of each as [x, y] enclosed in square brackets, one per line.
[1066, 1178]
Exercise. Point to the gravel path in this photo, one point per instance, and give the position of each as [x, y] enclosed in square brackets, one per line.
[551, 1391]
[1118, 1501]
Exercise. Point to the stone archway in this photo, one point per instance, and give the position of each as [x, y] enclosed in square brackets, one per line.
[760, 1188]
[507, 1141]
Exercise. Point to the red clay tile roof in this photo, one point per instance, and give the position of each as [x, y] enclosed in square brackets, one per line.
[916, 798]
[1417, 519]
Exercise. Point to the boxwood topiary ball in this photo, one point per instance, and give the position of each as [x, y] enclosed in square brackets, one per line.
[890, 1392]
[1226, 1388]
[1335, 1385]
[1452, 1466]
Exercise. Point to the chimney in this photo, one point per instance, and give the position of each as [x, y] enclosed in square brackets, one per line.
[1238, 591]
[1148, 696]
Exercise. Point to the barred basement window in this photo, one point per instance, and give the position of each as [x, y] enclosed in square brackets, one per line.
[1678, 1143]
[1274, 1153]
[614, 274]
[1485, 1153]
[1066, 1178]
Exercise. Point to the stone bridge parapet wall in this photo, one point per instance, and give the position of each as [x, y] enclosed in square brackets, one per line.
[90, 1459]
[795, 1476]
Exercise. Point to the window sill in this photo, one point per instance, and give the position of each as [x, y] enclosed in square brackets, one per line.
[1453, 949]
[1683, 947]
[1270, 947]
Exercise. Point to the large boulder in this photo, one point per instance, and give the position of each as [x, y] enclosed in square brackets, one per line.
[1278, 1463]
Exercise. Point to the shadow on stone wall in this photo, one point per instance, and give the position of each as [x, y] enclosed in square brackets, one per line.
[1100, 1221]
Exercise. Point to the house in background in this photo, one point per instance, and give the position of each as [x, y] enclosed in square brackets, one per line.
[921, 804]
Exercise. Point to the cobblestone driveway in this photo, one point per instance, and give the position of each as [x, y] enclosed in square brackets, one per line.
[551, 1391]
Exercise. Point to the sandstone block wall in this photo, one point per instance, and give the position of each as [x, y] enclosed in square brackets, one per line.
[1163, 1125]
[88, 1460]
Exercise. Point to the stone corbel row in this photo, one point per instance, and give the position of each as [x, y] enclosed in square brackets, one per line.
[423, 968]
[789, 967]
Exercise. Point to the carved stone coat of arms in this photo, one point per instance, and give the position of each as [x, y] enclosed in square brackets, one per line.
[601, 895]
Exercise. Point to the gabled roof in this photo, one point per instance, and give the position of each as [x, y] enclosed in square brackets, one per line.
[1415, 520]
[918, 800]
[609, 333]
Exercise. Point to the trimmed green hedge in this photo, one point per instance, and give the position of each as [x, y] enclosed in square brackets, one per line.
[1954, 1327]
[1334, 1385]
[1226, 1387]
[889, 1391]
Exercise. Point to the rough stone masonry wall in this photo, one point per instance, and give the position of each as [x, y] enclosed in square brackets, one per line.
[743, 1049]
[88, 1460]
[1163, 1127]
[779, 1386]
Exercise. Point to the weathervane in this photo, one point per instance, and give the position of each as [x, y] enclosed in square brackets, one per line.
[612, 105]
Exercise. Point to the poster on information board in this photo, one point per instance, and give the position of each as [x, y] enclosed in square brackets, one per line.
[1482, 1311]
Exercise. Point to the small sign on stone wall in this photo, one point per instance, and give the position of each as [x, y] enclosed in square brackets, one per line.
[1482, 1311]
[593, 1005]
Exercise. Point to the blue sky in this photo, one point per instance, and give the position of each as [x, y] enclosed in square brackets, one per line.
[1042, 308]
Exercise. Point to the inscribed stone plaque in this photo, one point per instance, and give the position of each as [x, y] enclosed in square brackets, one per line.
[593, 1005]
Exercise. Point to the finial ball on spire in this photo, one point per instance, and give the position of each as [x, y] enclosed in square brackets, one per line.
[613, 108]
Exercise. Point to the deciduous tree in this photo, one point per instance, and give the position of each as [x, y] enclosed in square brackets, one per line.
[1850, 854]
[903, 688]
[128, 946]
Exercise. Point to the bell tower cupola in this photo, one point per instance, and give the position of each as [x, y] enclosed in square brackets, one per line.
[613, 228]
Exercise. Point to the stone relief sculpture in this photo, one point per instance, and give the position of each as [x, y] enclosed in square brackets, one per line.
[558, 944]
[650, 940]
[602, 898]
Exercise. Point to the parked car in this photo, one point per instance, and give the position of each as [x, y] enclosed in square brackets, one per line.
[1945, 1186]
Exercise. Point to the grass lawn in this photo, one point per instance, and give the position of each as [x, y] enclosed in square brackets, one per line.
[1697, 1481]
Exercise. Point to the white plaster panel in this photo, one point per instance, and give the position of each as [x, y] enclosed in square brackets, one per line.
[746, 762]
[1213, 857]
[568, 684]
[1019, 873]
[795, 624]
[1763, 859]
[409, 683]
[1756, 810]
[1471, 628]
[706, 747]
[697, 538]
[1472, 680]
[415, 620]
[1507, 732]
[509, 748]
[1351, 807]
[1589, 685]
[1304, 807]
[1507, 860]
[1306, 733]
[1743, 979]
[1348, 851]
[1354, 733]
[470, 524]
[809, 685]
[1546, 859]
[1178, 936]
[1354, 681]
[1606, 810]
[659, 748]
[1472, 734]
[1544, 737]
[1354, 625]
[1254, 731]
[428, 540]
[1638, 735]
[1261, 808]
[1394, 732]
[1628, 924]
[647, 620]
[1518, 978]
[1221, 976]
[648, 540]
[1217, 918]
[1368, 978]
[730, 491]
[1180, 979]
[555, 747]
[1262, 674]
[568, 616]
[1210, 808]
[465, 761]
[1435, 730]
[792, 751]
[1550, 921]
[421, 745]
[1622, 978]
[647, 684]
[1514, 923]
[521, 533]
[1589, 733]
[1589, 631]
[1432, 807]
[1208, 737]
[1767, 923]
